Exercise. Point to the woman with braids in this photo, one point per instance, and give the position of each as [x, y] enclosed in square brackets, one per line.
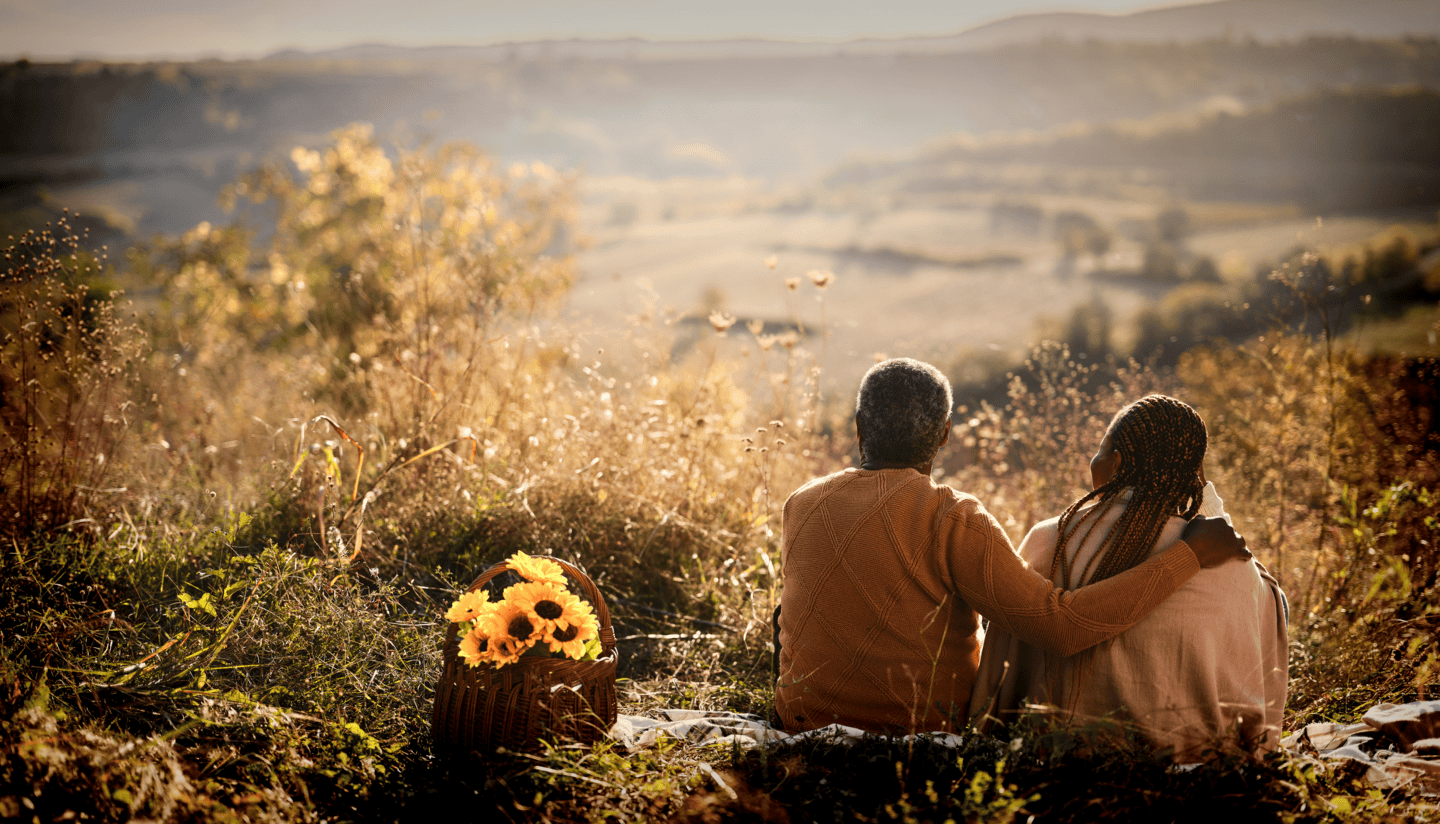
[1207, 668]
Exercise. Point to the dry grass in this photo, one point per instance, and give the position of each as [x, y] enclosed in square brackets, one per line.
[68, 361]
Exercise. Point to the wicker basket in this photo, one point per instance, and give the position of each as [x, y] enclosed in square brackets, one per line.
[514, 706]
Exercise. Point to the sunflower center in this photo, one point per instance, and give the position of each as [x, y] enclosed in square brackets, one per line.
[566, 634]
[520, 628]
[549, 610]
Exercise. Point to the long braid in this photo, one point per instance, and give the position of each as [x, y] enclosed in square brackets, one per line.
[1060, 565]
[1162, 442]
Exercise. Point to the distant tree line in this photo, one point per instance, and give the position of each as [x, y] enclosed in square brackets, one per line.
[1336, 149]
[84, 106]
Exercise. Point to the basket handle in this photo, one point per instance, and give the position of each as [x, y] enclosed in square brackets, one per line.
[602, 612]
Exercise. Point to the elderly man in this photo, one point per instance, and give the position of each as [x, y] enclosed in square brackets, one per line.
[887, 573]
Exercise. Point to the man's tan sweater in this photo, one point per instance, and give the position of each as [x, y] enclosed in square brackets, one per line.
[885, 572]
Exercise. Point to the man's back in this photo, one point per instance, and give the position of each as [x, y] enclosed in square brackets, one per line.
[872, 634]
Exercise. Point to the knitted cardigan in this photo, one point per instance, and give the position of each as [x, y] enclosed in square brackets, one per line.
[885, 572]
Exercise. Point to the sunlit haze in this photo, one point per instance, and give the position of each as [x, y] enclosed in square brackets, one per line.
[252, 28]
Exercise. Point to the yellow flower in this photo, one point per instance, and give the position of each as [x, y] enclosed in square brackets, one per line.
[537, 569]
[721, 321]
[468, 606]
[771, 261]
[507, 651]
[543, 601]
[579, 614]
[792, 283]
[558, 617]
[510, 631]
[573, 629]
[475, 647]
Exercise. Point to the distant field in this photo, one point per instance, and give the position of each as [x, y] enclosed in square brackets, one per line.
[926, 298]
[912, 279]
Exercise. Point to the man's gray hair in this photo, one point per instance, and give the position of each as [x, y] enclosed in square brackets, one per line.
[903, 411]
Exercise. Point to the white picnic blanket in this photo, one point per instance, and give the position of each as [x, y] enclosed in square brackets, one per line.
[1397, 744]
[730, 728]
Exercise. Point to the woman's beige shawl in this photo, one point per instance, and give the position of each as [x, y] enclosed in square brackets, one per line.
[1209, 662]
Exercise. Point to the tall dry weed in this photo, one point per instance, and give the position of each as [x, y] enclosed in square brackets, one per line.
[67, 363]
[1028, 459]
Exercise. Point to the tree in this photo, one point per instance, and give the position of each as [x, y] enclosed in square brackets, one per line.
[373, 255]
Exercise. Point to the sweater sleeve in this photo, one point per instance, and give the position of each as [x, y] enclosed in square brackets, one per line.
[986, 572]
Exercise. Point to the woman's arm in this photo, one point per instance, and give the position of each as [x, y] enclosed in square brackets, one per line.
[986, 572]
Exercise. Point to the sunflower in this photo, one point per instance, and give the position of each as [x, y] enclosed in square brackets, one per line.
[544, 601]
[475, 647]
[510, 630]
[508, 651]
[468, 606]
[537, 569]
[572, 629]
[576, 612]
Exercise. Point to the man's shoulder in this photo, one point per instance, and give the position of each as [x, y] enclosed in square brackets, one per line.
[812, 492]
[959, 504]
[952, 502]
[822, 484]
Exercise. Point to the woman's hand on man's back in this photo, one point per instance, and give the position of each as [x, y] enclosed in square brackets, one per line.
[1214, 542]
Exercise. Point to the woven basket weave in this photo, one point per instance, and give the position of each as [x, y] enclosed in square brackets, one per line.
[482, 708]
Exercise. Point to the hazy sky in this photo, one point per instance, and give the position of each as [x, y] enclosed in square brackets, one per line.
[242, 28]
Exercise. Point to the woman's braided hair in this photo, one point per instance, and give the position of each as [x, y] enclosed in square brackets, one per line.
[1162, 441]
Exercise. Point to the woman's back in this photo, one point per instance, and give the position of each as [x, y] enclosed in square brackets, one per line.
[1207, 662]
